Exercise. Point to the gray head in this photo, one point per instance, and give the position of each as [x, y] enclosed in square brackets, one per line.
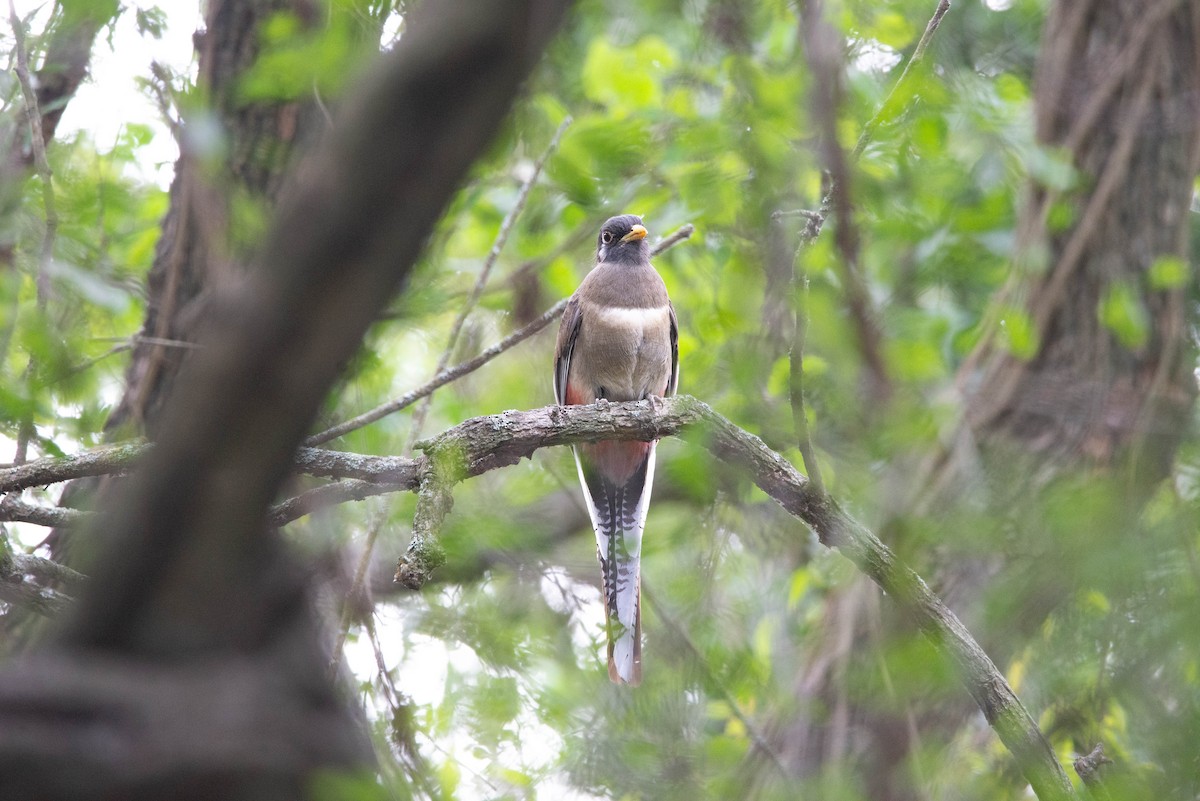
[622, 240]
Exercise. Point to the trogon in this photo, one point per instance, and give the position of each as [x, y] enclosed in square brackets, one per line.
[619, 341]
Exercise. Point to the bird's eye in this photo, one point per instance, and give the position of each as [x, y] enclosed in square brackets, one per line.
[606, 237]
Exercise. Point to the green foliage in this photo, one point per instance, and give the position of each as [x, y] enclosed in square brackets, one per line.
[697, 113]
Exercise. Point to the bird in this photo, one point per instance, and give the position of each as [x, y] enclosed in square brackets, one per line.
[618, 341]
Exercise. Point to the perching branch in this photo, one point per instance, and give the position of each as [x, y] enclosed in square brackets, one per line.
[483, 444]
[486, 443]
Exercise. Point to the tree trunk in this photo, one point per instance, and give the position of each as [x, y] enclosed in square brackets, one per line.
[198, 247]
[1111, 385]
[1108, 392]
[198, 244]
[190, 667]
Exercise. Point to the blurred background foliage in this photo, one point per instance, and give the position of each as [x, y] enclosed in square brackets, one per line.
[490, 684]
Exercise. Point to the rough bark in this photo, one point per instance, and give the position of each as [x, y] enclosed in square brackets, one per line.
[1116, 93]
[1116, 90]
[196, 250]
[193, 585]
[482, 444]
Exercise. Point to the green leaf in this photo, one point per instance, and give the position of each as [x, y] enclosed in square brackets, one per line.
[1018, 333]
[1123, 313]
[1169, 272]
[151, 21]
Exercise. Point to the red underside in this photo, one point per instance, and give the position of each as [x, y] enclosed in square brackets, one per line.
[616, 460]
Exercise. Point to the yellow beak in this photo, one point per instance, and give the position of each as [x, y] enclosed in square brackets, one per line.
[637, 232]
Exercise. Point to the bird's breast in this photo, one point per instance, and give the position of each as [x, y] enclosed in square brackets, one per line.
[625, 351]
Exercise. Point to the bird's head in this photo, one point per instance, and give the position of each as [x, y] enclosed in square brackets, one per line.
[622, 239]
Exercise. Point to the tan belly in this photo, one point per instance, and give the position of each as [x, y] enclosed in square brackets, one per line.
[623, 354]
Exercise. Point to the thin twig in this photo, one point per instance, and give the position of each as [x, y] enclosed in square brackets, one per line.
[796, 377]
[760, 742]
[26, 430]
[364, 562]
[821, 47]
[328, 495]
[868, 131]
[88, 364]
[501, 239]
[681, 233]
[442, 378]
[33, 122]
[815, 220]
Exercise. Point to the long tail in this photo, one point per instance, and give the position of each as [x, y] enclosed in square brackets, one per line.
[617, 478]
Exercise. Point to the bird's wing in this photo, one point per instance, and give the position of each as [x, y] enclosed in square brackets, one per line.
[568, 333]
[673, 380]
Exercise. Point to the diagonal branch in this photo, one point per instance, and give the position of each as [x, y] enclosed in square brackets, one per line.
[486, 443]
[485, 272]
[483, 444]
[887, 108]
[441, 379]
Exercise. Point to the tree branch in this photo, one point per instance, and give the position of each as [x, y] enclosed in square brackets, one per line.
[506, 226]
[51, 470]
[887, 108]
[23, 577]
[14, 510]
[486, 443]
[823, 50]
[1088, 767]
[114, 459]
[482, 444]
[441, 379]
